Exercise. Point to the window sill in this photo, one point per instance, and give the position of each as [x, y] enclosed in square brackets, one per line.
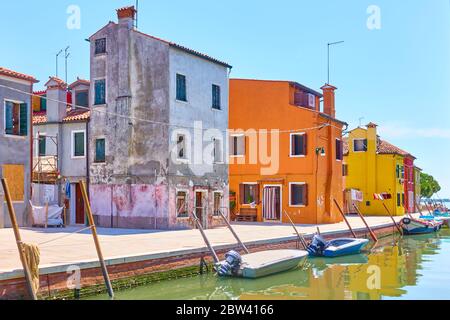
[238, 156]
[100, 105]
[182, 101]
[297, 206]
[216, 109]
[183, 217]
[103, 54]
[299, 156]
[183, 161]
[78, 158]
[16, 136]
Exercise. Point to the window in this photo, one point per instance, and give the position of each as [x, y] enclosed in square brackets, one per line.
[78, 144]
[403, 199]
[217, 151]
[298, 144]
[15, 174]
[237, 145]
[298, 194]
[100, 92]
[43, 103]
[345, 170]
[100, 46]
[398, 200]
[182, 204]
[217, 203]
[403, 172]
[16, 118]
[81, 98]
[181, 147]
[339, 150]
[100, 150]
[248, 193]
[216, 97]
[181, 88]
[360, 145]
[42, 146]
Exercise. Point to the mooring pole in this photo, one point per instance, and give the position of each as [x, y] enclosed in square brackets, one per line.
[392, 217]
[300, 236]
[372, 234]
[233, 232]
[15, 226]
[208, 244]
[345, 218]
[95, 236]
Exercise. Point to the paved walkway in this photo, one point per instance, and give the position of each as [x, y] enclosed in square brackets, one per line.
[127, 245]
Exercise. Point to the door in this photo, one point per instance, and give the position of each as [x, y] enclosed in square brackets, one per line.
[79, 206]
[272, 203]
[199, 207]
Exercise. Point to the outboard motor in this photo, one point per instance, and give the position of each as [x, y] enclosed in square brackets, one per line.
[231, 264]
[317, 246]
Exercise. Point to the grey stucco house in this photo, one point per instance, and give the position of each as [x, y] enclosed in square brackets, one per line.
[160, 112]
[60, 129]
[15, 142]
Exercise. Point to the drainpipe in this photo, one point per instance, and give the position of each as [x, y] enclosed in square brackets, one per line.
[88, 184]
[31, 144]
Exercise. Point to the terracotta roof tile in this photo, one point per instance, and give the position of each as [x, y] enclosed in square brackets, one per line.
[79, 81]
[72, 116]
[17, 75]
[383, 147]
[58, 81]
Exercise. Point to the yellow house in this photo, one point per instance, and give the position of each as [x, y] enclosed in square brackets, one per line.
[374, 166]
[417, 189]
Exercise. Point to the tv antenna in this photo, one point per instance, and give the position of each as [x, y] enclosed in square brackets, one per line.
[57, 56]
[329, 45]
[66, 57]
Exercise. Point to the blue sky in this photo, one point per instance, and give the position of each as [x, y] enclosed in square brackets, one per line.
[397, 77]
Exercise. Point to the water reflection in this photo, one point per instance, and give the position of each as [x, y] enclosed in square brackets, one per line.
[399, 264]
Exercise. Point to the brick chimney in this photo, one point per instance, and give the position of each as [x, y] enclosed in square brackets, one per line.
[56, 99]
[329, 100]
[126, 16]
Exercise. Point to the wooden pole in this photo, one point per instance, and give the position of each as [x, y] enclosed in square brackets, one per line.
[345, 218]
[15, 226]
[233, 232]
[372, 234]
[208, 244]
[392, 217]
[95, 236]
[300, 236]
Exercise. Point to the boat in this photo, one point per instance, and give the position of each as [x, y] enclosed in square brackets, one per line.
[259, 264]
[444, 218]
[335, 248]
[412, 226]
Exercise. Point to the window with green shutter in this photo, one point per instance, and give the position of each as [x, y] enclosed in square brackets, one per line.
[216, 97]
[100, 92]
[23, 120]
[78, 144]
[44, 103]
[181, 88]
[100, 150]
[42, 146]
[9, 121]
[16, 118]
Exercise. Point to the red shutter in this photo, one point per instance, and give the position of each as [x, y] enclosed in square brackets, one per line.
[241, 194]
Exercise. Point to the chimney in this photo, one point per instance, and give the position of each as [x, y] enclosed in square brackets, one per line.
[126, 16]
[56, 99]
[329, 100]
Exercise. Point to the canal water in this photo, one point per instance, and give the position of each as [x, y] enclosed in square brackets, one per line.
[415, 267]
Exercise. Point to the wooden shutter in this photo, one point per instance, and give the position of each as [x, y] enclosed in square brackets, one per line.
[241, 194]
[9, 128]
[100, 150]
[305, 144]
[305, 193]
[257, 194]
[42, 146]
[23, 119]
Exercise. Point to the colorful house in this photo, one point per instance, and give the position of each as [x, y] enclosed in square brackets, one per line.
[285, 152]
[417, 188]
[376, 166]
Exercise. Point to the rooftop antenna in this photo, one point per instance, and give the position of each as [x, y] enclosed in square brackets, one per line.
[360, 121]
[137, 12]
[66, 57]
[57, 56]
[329, 45]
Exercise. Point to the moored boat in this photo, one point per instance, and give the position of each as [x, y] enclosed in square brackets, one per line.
[420, 226]
[336, 248]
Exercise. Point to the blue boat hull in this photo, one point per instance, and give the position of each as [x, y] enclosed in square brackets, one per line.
[352, 249]
[339, 247]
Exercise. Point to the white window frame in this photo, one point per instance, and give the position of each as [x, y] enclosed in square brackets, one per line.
[290, 144]
[72, 149]
[353, 144]
[4, 119]
[238, 135]
[187, 202]
[290, 195]
[251, 184]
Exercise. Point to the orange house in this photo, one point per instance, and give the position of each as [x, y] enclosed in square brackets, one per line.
[285, 152]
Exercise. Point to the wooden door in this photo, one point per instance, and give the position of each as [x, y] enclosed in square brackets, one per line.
[79, 206]
[199, 206]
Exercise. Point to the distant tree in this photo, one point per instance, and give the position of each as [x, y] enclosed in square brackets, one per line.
[428, 185]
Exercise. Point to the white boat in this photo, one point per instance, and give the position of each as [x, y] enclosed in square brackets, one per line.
[260, 264]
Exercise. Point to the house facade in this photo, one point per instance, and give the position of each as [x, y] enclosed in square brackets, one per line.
[60, 130]
[417, 185]
[375, 166]
[285, 152]
[15, 142]
[159, 111]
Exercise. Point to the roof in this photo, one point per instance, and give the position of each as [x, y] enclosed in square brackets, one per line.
[58, 81]
[76, 115]
[17, 75]
[78, 82]
[174, 45]
[292, 83]
[383, 147]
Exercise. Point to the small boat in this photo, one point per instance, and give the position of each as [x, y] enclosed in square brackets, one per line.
[259, 264]
[420, 226]
[336, 248]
